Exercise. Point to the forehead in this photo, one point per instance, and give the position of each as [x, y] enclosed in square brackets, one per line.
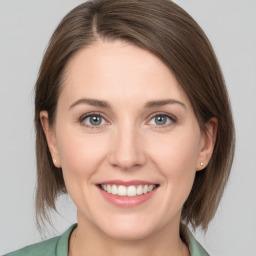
[108, 70]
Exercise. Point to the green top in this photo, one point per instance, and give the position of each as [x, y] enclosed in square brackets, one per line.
[58, 246]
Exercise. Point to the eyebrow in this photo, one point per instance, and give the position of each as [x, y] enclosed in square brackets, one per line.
[159, 103]
[104, 104]
[92, 102]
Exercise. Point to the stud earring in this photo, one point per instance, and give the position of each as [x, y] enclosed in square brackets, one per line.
[54, 161]
[201, 163]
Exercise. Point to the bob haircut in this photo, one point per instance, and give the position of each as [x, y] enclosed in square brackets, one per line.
[166, 30]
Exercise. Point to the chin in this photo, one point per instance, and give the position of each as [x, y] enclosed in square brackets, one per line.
[129, 228]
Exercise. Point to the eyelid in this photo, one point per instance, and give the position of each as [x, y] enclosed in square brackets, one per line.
[96, 113]
[170, 116]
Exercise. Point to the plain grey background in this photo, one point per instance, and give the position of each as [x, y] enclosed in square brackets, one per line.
[25, 28]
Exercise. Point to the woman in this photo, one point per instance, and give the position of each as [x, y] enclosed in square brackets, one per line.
[133, 121]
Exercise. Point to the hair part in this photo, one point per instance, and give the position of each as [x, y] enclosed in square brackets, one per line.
[166, 30]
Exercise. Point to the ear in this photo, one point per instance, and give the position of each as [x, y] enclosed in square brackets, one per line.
[50, 137]
[207, 143]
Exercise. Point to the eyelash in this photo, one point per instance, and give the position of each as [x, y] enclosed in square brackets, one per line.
[172, 119]
[82, 118]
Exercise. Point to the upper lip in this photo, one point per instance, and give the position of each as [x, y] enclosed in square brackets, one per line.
[127, 183]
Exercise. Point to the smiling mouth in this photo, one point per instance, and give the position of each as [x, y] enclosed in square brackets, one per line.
[127, 191]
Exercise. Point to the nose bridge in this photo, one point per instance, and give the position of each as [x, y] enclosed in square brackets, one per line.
[127, 151]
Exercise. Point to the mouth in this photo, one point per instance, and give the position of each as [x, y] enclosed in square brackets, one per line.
[128, 191]
[127, 194]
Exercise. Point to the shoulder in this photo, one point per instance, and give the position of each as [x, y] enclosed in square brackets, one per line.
[45, 248]
[195, 247]
[55, 246]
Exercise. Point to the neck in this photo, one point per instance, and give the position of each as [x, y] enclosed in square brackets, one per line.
[87, 239]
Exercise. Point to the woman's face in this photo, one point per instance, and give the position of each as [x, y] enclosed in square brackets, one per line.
[124, 125]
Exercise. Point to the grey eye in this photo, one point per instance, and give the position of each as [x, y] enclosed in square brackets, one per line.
[94, 120]
[160, 120]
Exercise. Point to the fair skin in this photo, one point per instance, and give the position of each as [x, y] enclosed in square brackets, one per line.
[139, 126]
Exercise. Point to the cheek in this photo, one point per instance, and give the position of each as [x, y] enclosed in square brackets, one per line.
[176, 153]
[176, 159]
[80, 155]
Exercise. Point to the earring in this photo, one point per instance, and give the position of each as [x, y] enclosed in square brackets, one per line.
[201, 163]
[54, 161]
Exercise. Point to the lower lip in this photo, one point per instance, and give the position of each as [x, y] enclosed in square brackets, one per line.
[125, 201]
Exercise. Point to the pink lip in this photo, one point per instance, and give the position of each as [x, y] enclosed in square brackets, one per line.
[125, 201]
[127, 183]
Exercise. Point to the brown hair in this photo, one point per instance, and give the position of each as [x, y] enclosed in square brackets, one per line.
[166, 30]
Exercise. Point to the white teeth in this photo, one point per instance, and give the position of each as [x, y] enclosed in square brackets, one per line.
[114, 190]
[121, 190]
[131, 191]
[145, 189]
[150, 188]
[109, 189]
[139, 190]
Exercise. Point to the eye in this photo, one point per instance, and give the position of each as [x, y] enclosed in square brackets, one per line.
[93, 120]
[162, 120]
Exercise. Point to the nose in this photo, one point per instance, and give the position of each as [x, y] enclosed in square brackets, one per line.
[127, 149]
